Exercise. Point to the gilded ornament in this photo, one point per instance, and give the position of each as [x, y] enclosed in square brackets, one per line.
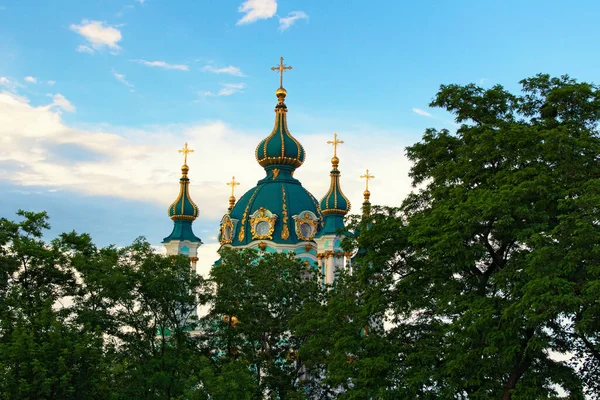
[242, 228]
[285, 232]
[262, 224]
[226, 231]
[281, 68]
[262, 246]
[275, 173]
[306, 226]
[185, 152]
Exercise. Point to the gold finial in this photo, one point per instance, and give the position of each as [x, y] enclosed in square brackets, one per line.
[185, 152]
[233, 184]
[281, 68]
[367, 176]
[335, 143]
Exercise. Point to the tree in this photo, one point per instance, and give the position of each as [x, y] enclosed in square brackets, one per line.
[481, 291]
[44, 356]
[256, 297]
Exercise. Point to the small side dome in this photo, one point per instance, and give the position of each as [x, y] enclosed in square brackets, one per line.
[183, 208]
[334, 201]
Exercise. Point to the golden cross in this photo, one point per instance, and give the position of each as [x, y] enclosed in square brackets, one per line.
[185, 152]
[281, 68]
[233, 184]
[335, 143]
[367, 177]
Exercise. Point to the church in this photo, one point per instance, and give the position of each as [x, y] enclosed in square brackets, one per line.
[278, 214]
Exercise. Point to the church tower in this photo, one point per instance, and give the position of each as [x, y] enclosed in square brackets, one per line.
[334, 207]
[278, 214]
[183, 212]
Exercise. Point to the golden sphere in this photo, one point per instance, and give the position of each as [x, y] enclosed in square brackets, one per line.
[281, 92]
[335, 160]
[185, 169]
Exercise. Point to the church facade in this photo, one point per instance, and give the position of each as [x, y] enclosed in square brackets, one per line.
[278, 214]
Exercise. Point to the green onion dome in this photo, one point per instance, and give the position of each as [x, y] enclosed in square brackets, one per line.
[278, 209]
[335, 202]
[183, 208]
[280, 147]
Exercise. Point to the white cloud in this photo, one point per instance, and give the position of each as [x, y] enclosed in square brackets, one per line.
[51, 83]
[82, 48]
[291, 19]
[143, 164]
[30, 79]
[121, 78]
[162, 64]
[98, 35]
[228, 89]
[60, 101]
[421, 112]
[257, 9]
[141, 1]
[230, 70]
[9, 84]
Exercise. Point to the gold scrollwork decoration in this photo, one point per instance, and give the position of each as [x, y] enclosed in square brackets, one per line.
[306, 226]
[242, 225]
[262, 224]
[226, 236]
[285, 232]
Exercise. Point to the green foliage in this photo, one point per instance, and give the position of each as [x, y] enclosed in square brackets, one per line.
[476, 287]
[257, 295]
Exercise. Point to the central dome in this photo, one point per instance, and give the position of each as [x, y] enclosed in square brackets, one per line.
[284, 200]
[280, 147]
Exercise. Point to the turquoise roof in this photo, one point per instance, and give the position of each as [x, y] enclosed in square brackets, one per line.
[278, 197]
[334, 225]
[281, 194]
[182, 230]
[183, 208]
[183, 212]
[334, 201]
[280, 147]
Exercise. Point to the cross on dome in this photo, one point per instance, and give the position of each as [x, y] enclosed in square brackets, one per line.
[233, 184]
[281, 68]
[367, 176]
[335, 143]
[185, 152]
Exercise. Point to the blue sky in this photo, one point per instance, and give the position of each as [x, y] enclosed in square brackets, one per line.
[97, 96]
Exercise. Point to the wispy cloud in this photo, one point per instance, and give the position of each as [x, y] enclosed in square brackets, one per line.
[141, 1]
[483, 80]
[31, 137]
[61, 102]
[227, 89]
[162, 64]
[30, 79]
[291, 19]
[121, 78]
[256, 9]
[125, 8]
[9, 84]
[231, 88]
[230, 70]
[421, 112]
[98, 35]
[51, 83]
